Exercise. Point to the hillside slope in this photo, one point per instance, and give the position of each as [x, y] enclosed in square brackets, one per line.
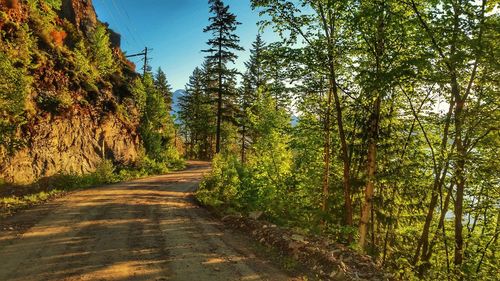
[68, 96]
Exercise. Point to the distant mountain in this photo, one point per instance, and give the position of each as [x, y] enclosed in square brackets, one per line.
[175, 100]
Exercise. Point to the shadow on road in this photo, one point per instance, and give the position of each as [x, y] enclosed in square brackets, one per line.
[146, 229]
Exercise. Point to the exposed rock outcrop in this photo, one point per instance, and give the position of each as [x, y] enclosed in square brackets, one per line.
[82, 14]
[79, 12]
[75, 144]
[115, 38]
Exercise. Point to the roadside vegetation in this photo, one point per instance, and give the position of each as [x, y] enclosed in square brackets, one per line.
[371, 123]
[14, 198]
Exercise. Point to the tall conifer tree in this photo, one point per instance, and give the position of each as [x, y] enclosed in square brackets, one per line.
[253, 79]
[221, 52]
[162, 86]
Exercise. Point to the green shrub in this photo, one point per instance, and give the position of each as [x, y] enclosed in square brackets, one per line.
[14, 88]
[82, 64]
[18, 44]
[63, 181]
[43, 16]
[221, 186]
[173, 158]
[139, 93]
[263, 182]
[100, 51]
[104, 172]
[45, 5]
[8, 205]
[153, 167]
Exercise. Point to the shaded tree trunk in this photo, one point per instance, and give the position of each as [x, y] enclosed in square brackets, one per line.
[373, 131]
[460, 179]
[219, 99]
[326, 151]
[328, 22]
[371, 170]
[243, 144]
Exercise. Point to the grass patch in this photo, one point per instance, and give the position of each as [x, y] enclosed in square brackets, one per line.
[9, 205]
[15, 198]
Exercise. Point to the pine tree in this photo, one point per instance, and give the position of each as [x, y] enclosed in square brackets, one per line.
[100, 51]
[255, 66]
[196, 114]
[274, 62]
[221, 52]
[253, 79]
[162, 86]
[156, 126]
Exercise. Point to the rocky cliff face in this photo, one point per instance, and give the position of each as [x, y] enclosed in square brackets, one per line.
[79, 12]
[82, 14]
[70, 121]
[74, 144]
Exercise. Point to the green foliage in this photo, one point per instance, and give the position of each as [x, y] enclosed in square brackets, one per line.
[146, 166]
[156, 124]
[100, 51]
[55, 102]
[104, 172]
[222, 185]
[14, 89]
[398, 109]
[173, 158]
[139, 94]
[162, 86]
[156, 128]
[9, 205]
[46, 4]
[42, 69]
[59, 184]
[44, 15]
[152, 166]
[198, 115]
[222, 50]
[270, 160]
[83, 65]
[260, 184]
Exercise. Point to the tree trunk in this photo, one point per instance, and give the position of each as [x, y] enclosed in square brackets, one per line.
[440, 171]
[426, 256]
[371, 170]
[243, 147]
[460, 179]
[219, 100]
[326, 150]
[373, 130]
[329, 29]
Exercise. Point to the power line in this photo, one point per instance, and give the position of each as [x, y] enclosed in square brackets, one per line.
[131, 21]
[118, 23]
[145, 59]
[127, 20]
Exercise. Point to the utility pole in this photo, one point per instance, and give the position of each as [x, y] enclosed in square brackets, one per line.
[144, 53]
[145, 61]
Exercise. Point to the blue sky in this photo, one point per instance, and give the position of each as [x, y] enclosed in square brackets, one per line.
[174, 29]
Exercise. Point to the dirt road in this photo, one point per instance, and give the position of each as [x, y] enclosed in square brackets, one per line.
[147, 229]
